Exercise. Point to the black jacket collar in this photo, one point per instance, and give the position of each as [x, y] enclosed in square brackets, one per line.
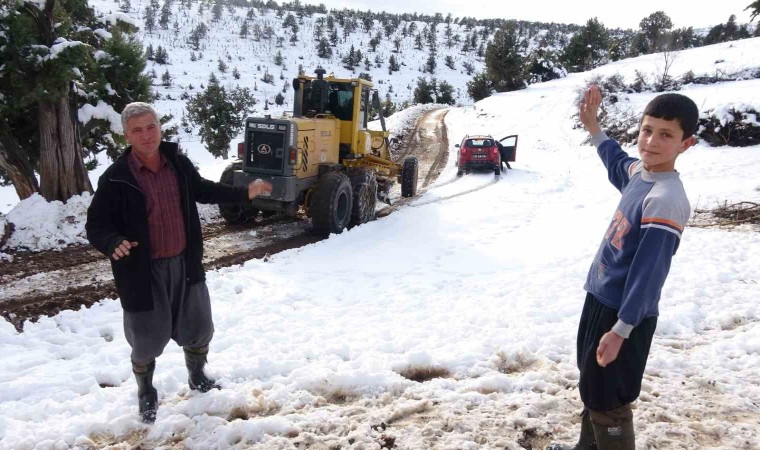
[119, 170]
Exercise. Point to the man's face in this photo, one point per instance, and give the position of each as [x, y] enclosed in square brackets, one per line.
[660, 143]
[143, 133]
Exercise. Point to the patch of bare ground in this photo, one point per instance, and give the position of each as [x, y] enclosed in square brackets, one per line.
[422, 374]
[31, 306]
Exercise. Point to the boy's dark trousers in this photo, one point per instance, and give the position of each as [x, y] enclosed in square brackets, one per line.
[607, 392]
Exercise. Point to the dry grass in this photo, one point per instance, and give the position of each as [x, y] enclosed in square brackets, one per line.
[727, 215]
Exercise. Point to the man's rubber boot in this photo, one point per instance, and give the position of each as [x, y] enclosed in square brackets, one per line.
[613, 430]
[147, 396]
[586, 441]
[195, 360]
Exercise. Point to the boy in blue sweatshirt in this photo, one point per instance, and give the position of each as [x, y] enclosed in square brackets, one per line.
[626, 278]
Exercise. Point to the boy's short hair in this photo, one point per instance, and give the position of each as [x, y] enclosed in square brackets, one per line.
[675, 106]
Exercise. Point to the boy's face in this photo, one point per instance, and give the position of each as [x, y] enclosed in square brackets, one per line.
[660, 143]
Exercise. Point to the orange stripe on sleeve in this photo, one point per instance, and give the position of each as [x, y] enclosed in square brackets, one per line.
[662, 221]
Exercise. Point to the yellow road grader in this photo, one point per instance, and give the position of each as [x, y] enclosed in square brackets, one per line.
[323, 160]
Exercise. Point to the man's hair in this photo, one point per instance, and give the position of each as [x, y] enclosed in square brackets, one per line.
[136, 109]
[675, 106]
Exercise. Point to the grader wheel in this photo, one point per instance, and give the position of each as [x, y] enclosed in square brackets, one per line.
[409, 174]
[364, 185]
[331, 205]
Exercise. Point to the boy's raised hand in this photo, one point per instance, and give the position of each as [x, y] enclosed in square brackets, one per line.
[589, 108]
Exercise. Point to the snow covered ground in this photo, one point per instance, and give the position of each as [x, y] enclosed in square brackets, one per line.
[480, 292]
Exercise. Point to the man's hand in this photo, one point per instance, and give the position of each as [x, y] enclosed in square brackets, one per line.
[589, 108]
[258, 187]
[609, 347]
[122, 250]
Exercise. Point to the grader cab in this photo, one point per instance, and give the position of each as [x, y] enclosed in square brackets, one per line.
[323, 159]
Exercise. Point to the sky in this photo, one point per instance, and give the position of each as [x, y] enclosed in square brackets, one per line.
[683, 13]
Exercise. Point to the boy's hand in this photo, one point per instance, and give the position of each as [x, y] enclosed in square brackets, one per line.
[609, 347]
[592, 98]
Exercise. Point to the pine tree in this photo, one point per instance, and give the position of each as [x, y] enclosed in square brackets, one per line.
[267, 78]
[431, 63]
[468, 67]
[543, 66]
[351, 58]
[166, 79]
[278, 58]
[423, 93]
[244, 29]
[418, 42]
[290, 22]
[655, 29]
[165, 16]
[235, 73]
[587, 48]
[388, 107]
[220, 114]
[222, 66]
[450, 62]
[162, 56]
[216, 11]
[40, 129]
[754, 9]
[150, 19]
[149, 54]
[480, 87]
[445, 93]
[279, 99]
[504, 62]
[197, 35]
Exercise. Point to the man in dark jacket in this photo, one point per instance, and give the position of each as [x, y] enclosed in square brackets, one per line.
[504, 153]
[143, 216]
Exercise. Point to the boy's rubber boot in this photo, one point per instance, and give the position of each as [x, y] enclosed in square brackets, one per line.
[586, 441]
[195, 360]
[147, 396]
[613, 430]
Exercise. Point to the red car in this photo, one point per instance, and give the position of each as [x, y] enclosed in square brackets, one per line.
[483, 152]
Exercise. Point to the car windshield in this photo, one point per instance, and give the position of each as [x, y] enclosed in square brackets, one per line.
[478, 143]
